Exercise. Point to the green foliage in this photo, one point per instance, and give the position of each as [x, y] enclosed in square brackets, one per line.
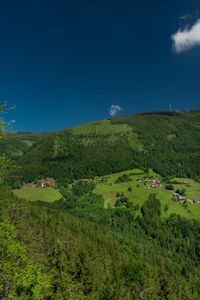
[166, 142]
[80, 196]
[197, 179]
[19, 277]
[170, 141]
[80, 260]
[79, 188]
[166, 208]
[169, 187]
[123, 178]
[6, 169]
[114, 255]
[6, 164]
[151, 211]
[73, 248]
[123, 201]
[181, 191]
[151, 208]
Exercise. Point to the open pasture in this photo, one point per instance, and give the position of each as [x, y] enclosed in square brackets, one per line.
[138, 194]
[34, 194]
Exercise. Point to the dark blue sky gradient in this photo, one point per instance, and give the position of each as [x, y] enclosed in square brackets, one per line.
[64, 62]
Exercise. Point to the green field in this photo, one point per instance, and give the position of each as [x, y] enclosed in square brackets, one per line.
[34, 194]
[192, 188]
[89, 132]
[101, 128]
[138, 194]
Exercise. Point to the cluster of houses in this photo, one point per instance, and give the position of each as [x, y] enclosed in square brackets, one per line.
[96, 179]
[194, 201]
[49, 182]
[181, 199]
[43, 183]
[150, 183]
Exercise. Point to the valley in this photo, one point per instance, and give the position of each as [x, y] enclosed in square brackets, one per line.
[99, 150]
[138, 194]
[104, 210]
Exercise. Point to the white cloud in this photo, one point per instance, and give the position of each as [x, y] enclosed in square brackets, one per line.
[11, 122]
[186, 16]
[114, 109]
[187, 38]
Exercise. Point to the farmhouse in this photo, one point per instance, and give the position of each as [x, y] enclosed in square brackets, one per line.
[178, 197]
[152, 183]
[95, 180]
[87, 180]
[196, 202]
[49, 182]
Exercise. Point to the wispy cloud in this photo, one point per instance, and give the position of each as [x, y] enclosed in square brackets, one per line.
[185, 17]
[187, 38]
[114, 109]
[9, 123]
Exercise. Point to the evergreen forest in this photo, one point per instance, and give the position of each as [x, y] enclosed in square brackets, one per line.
[74, 247]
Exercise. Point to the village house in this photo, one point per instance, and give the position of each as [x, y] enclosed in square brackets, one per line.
[196, 202]
[49, 182]
[86, 180]
[153, 183]
[97, 179]
[178, 197]
[193, 201]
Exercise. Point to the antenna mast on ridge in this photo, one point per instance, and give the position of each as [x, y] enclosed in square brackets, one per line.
[170, 107]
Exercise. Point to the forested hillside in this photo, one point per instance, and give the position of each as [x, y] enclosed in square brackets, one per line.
[55, 252]
[167, 142]
[74, 248]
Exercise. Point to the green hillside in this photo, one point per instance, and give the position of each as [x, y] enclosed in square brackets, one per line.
[34, 194]
[49, 253]
[110, 229]
[138, 194]
[132, 189]
[167, 142]
[17, 144]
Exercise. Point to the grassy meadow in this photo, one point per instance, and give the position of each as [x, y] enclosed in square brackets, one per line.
[101, 128]
[34, 194]
[137, 195]
[89, 132]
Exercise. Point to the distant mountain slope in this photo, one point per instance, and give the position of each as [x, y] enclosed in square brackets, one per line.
[168, 142]
[17, 144]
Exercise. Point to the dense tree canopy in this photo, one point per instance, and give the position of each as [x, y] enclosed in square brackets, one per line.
[73, 248]
[167, 142]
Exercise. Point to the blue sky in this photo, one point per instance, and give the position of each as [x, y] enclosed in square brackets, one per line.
[63, 62]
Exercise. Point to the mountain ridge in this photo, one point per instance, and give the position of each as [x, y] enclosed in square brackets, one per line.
[166, 141]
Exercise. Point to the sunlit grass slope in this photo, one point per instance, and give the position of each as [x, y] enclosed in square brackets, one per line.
[90, 132]
[138, 194]
[101, 128]
[34, 194]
